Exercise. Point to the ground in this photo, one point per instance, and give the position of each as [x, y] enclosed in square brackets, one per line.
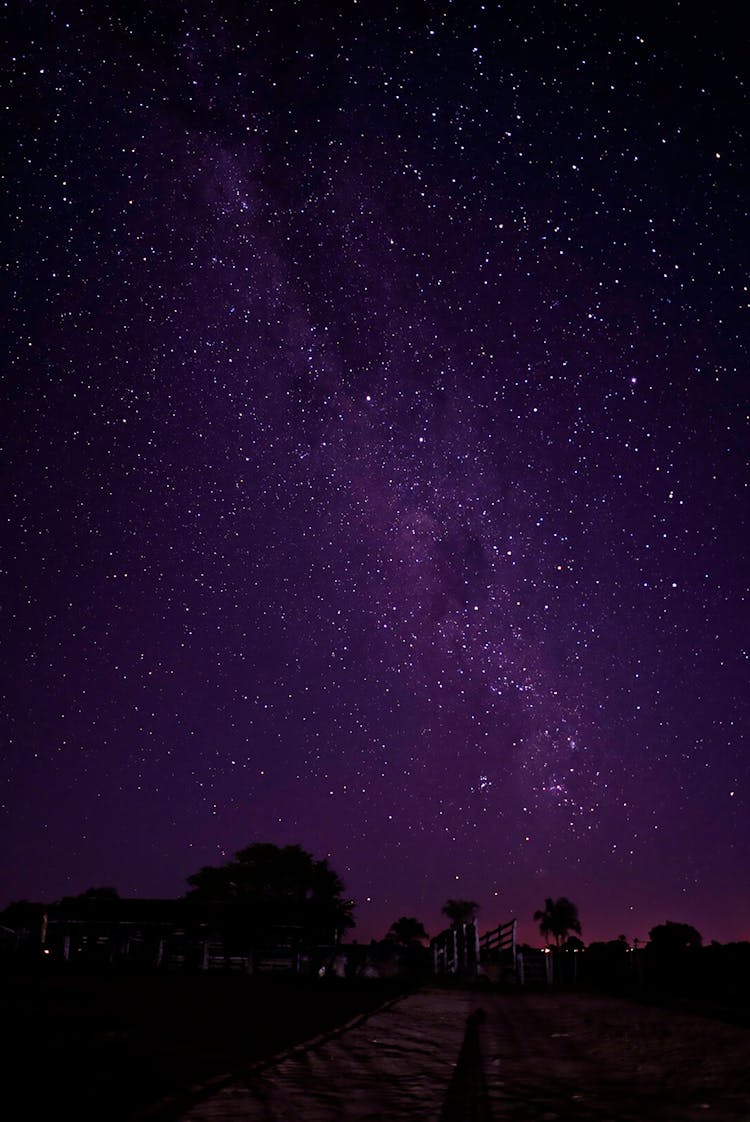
[461, 1056]
[591, 1057]
[101, 1047]
[135, 1048]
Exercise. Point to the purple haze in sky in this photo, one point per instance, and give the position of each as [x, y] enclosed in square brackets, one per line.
[375, 454]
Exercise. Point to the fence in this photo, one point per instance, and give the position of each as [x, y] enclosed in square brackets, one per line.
[456, 950]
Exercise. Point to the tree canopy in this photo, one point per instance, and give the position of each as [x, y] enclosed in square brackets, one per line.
[268, 886]
[671, 936]
[558, 918]
[97, 892]
[460, 911]
[407, 931]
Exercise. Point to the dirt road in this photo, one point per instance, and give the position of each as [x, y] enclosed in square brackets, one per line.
[453, 1055]
[582, 1058]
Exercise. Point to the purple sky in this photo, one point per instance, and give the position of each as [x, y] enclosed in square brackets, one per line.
[375, 455]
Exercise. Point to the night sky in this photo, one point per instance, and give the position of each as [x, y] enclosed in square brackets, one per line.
[375, 453]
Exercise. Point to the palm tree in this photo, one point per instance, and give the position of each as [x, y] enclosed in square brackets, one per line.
[460, 911]
[557, 918]
[407, 931]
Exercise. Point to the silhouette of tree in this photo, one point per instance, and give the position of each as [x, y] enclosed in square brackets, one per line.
[22, 914]
[268, 887]
[460, 911]
[672, 958]
[102, 892]
[673, 937]
[99, 902]
[407, 931]
[557, 918]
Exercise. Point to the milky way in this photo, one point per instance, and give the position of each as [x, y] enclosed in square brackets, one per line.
[375, 457]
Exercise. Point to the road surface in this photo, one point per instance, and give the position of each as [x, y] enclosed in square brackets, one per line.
[450, 1055]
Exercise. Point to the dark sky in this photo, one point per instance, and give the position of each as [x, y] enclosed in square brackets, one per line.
[375, 453]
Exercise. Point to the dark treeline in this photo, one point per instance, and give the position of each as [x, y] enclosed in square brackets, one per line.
[277, 907]
[673, 967]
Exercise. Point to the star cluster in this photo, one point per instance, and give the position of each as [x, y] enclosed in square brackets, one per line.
[376, 453]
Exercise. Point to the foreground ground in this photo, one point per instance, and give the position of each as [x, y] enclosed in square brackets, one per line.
[107, 1046]
[454, 1056]
[146, 1048]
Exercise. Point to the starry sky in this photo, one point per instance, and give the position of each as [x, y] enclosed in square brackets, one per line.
[375, 453]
